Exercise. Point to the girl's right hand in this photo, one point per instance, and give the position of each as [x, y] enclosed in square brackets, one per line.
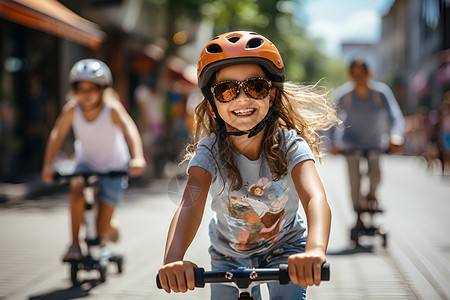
[177, 276]
[47, 174]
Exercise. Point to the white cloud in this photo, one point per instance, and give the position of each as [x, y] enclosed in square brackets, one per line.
[328, 32]
[363, 25]
[360, 26]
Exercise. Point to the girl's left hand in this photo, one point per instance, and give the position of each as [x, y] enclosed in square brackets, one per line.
[136, 166]
[305, 268]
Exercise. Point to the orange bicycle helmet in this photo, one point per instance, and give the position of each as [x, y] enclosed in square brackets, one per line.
[233, 48]
[239, 47]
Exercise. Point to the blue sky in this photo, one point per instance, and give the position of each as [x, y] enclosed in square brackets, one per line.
[335, 21]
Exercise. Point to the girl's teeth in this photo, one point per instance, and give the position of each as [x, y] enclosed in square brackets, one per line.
[243, 111]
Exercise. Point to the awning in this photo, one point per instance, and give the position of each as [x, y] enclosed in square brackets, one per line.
[184, 71]
[54, 18]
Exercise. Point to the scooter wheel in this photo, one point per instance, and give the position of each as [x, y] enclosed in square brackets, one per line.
[384, 236]
[102, 270]
[73, 273]
[119, 262]
[354, 235]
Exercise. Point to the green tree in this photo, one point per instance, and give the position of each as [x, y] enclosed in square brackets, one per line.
[280, 21]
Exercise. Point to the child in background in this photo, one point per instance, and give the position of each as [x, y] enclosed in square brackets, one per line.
[254, 150]
[106, 139]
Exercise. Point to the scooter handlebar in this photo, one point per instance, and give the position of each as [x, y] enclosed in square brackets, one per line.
[58, 176]
[243, 277]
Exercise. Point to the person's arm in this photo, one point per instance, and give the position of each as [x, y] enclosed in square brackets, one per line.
[396, 120]
[340, 95]
[304, 269]
[335, 131]
[177, 274]
[121, 117]
[57, 135]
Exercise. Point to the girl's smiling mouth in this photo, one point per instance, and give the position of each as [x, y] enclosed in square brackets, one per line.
[244, 112]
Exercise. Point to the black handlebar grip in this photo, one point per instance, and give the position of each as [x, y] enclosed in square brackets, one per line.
[325, 273]
[198, 275]
[284, 273]
[158, 283]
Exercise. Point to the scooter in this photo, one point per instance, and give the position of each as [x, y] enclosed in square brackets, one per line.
[97, 257]
[368, 226]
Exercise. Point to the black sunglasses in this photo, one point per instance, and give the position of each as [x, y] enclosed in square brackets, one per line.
[256, 88]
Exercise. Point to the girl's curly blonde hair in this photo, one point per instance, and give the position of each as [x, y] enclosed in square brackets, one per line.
[300, 107]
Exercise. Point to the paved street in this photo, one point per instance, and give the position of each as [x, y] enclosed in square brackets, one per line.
[415, 265]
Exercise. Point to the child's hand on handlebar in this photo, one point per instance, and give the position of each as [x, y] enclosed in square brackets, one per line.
[136, 166]
[177, 276]
[305, 268]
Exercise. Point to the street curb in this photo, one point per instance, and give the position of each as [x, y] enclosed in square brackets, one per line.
[15, 192]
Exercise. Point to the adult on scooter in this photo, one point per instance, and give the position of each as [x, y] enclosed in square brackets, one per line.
[362, 105]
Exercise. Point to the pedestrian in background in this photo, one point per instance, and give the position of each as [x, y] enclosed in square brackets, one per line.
[106, 139]
[363, 105]
[442, 132]
[40, 114]
[255, 144]
[150, 122]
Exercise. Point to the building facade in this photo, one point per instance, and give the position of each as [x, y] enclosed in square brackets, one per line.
[415, 52]
[41, 40]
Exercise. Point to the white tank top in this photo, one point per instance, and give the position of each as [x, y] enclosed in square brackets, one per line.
[99, 144]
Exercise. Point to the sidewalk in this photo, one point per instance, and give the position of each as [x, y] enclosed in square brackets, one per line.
[359, 273]
[415, 264]
[367, 272]
[363, 273]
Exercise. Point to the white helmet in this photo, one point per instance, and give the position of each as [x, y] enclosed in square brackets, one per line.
[91, 70]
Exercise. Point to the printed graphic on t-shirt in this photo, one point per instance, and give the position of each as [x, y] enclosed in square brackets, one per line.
[257, 217]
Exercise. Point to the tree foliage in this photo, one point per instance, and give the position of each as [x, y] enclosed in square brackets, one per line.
[279, 21]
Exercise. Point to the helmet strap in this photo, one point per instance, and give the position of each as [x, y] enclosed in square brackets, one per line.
[261, 125]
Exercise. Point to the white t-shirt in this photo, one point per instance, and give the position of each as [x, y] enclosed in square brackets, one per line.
[99, 144]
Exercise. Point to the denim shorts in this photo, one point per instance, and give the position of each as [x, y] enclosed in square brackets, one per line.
[267, 260]
[110, 189]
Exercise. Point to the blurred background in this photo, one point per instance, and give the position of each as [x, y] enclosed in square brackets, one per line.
[152, 47]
